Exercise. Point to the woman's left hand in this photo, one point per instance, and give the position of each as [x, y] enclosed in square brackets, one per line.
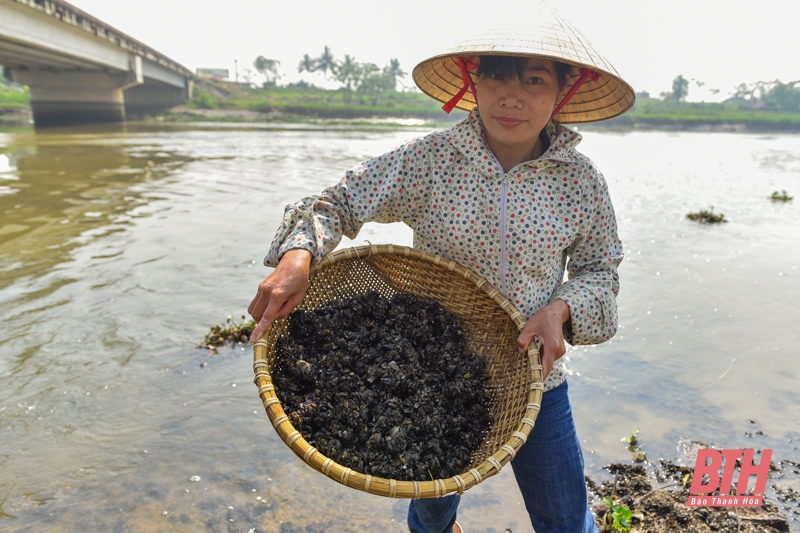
[547, 326]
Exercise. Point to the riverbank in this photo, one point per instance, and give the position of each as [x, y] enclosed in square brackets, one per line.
[186, 114]
[214, 101]
[222, 102]
[15, 116]
[218, 101]
[653, 114]
[15, 108]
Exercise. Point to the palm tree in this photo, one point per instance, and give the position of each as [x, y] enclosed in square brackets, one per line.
[395, 70]
[325, 62]
[307, 64]
[347, 72]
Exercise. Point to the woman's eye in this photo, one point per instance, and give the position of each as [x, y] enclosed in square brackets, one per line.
[496, 76]
[535, 80]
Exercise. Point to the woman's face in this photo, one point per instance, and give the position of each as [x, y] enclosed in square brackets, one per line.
[515, 111]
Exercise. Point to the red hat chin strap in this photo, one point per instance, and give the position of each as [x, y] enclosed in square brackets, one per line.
[465, 64]
[585, 73]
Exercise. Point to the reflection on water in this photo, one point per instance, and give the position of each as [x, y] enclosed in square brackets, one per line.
[56, 190]
[118, 248]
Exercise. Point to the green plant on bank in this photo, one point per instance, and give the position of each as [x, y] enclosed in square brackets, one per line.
[707, 217]
[13, 96]
[618, 517]
[632, 441]
[635, 447]
[781, 197]
[229, 333]
[203, 98]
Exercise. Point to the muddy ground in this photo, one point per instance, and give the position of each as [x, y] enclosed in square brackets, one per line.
[15, 116]
[656, 495]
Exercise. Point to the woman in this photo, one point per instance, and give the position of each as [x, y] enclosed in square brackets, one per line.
[505, 193]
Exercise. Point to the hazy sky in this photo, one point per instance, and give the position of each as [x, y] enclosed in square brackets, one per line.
[650, 42]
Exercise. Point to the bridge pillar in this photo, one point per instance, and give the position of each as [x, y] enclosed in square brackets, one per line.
[150, 98]
[76, 97]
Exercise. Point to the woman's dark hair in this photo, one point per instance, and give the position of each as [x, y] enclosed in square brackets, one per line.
[514, 66]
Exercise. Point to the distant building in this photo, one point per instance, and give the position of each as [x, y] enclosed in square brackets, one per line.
[218, 74]
[642, 95]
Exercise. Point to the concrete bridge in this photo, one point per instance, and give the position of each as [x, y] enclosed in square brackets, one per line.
[81, 70]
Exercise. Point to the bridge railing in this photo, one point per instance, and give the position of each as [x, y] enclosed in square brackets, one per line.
[69, 14]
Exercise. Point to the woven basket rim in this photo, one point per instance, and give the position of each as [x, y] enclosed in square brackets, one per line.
[391, 487]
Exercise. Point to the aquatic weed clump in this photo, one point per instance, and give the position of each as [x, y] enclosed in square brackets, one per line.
[783, 197]
[386, 387]
[707, 217]
[230, 332]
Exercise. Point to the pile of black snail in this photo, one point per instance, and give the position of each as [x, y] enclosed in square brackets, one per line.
[386, 387]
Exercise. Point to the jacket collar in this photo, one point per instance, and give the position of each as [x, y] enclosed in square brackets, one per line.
[469, 138]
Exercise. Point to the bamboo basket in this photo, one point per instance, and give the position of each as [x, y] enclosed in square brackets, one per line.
[491, 322]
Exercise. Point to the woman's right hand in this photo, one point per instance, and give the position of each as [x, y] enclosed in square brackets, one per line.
[281, 291]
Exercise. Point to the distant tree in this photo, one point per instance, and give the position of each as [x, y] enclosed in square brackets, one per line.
[753, 92]
[743, 91]
[365, 72]
[680, 88]
[396, 71]
[347, 72]
[389, 79]
[770, 95]
[307, 64]
[267, 68]
[326, 62]
[783, 96]
[247, 74]
[365, 79]
[375, 82]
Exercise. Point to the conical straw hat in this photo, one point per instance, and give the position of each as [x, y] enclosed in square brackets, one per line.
[543, 34]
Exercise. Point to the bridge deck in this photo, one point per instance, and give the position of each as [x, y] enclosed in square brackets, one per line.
[66, 13]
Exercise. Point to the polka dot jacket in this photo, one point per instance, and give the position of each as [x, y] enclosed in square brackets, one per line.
[519, 230]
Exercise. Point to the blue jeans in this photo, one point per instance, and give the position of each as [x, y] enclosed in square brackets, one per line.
[549, 472]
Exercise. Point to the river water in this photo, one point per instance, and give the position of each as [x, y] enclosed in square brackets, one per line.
[120, 247]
